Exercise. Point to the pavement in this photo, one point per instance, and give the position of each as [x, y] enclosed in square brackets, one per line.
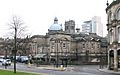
[68, 68]
[49, 67]
[71, 68]
[109, 71]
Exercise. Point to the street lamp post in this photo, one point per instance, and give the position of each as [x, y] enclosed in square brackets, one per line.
[29, 58]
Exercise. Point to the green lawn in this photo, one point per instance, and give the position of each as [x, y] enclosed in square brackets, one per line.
[5, 72]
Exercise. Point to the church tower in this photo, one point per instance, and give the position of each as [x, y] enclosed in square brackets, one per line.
[70, 26]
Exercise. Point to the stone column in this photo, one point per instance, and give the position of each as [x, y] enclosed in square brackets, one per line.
[108, 60]
[115, 34]
[115, 48]
[115, 61]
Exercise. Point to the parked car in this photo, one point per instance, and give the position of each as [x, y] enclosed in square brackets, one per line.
[22, 59]
[6, 62]
[1, 58]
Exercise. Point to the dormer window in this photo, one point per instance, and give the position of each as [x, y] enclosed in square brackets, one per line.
[92, 45]
[92, 38]
[118, 14]
[83, 39]
[83, 45]
[98, 39]
[63, 44]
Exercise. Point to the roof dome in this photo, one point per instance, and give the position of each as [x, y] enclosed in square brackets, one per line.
[55, 26]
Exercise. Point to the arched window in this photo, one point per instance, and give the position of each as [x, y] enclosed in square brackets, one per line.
[109, 17]
[118, 34]
[111, 36]
[118, 14]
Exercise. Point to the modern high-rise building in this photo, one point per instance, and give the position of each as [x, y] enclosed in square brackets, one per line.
[93, 26]
[97, 26]
[87, 27]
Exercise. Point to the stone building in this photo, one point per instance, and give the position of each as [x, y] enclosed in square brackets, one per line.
[1, 46]
[70, 26]
[113, 27]
[5, 47]
[61, 46]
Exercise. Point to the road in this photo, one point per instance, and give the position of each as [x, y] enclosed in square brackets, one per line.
[76, 70]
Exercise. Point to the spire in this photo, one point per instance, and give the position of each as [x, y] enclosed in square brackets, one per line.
[55, 20]
[107, 3]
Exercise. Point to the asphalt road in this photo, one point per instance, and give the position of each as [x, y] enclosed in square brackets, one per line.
[76, 70]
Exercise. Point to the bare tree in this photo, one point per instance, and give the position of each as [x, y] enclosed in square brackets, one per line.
[16, 25]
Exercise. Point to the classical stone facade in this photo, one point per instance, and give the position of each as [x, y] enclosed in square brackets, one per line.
[62, 46]
[59, 46]
[6, 47]
[113, 27]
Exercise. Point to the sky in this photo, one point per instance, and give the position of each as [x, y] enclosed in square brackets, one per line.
[38, 15]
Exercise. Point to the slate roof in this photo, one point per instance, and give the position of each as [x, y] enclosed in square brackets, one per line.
[112, 4]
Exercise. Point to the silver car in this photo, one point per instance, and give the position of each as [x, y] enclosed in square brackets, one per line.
[6, 62]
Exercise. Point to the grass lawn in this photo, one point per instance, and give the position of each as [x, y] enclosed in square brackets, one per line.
[5, 72]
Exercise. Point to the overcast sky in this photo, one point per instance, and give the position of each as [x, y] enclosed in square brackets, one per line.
[38, 15]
